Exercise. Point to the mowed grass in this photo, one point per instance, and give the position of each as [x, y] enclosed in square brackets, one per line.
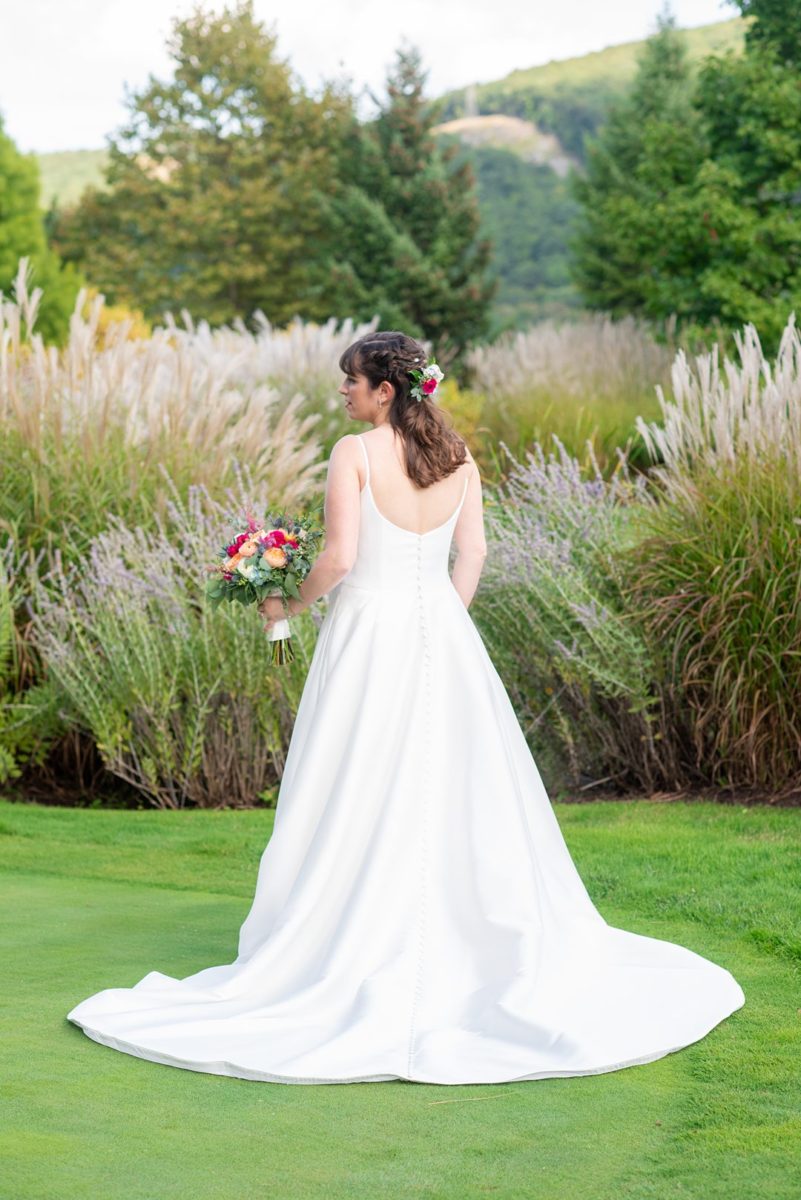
[95, 899]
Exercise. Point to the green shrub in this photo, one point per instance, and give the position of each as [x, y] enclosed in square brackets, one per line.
[29, 716]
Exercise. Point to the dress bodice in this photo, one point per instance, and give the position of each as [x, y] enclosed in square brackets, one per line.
[390, 558]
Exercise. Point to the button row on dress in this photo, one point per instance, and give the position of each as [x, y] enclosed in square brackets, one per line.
[423, 625]
[422, 911]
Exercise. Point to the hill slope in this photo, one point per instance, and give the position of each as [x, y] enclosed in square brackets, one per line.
[66, 173]
[500, 132]
[569, 98]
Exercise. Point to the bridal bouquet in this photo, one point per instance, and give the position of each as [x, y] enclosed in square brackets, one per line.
[268, 558]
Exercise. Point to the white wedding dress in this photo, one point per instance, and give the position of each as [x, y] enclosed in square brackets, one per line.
[417, 914]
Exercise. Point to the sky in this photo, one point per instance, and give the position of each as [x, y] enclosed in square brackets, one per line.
[65, 64]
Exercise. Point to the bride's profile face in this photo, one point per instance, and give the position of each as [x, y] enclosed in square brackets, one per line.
[361, 400]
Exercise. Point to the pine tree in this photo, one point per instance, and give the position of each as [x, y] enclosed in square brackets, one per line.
[408, 221]
[691, 198]
[747, 192]
[776, 26]
[629, 251]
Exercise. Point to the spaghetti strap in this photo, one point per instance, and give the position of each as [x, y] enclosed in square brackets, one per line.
[366, 459]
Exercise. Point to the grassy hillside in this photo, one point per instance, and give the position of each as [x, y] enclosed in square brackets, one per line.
[522, 138]
[617, 64]
[66, 173]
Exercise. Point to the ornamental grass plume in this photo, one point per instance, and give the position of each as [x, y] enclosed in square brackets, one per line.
[582, 380]
[87, 427]
[730, 416]
[298, 361]
[716, 576]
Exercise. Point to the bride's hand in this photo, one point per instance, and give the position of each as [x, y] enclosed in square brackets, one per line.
[272, 610]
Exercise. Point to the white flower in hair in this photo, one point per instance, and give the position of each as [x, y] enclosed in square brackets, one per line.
[425, 381]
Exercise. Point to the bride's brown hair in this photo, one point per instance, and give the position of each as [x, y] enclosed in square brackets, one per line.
[433, 449]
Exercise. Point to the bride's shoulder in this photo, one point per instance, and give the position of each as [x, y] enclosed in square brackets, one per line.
[344, 446]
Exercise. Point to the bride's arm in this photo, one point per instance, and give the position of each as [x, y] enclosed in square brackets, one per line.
[341, 515]
[471, 543]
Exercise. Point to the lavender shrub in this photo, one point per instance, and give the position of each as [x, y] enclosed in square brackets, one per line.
[552, 606]
[180, 700]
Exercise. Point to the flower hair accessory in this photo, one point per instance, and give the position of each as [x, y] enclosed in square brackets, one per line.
[425, 380]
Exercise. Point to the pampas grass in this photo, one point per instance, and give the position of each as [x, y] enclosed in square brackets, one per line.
[586, 380]
[717, 576]
[722, 418]
[87, 429]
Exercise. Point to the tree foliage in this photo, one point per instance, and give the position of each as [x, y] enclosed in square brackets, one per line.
[628, 251]
[22, 234]
[776, 27]
[408, 241]
[528, 212]
[215, 183]
[231, 189]
[690, 204]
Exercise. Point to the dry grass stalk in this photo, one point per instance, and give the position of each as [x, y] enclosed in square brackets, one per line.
[589, 357]
[723, 417]
[191, 398]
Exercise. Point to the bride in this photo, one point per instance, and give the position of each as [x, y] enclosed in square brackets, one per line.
[417, 914]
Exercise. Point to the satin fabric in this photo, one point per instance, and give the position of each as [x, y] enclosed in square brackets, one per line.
[417, 914]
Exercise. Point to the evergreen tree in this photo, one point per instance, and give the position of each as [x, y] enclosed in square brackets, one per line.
[407, 223]
[215, 183]
[630, 247]
[747, 219]
[22, 234]
[690, 205]
[776, 26]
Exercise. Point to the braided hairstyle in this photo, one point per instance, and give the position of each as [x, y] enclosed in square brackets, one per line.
[433, 449]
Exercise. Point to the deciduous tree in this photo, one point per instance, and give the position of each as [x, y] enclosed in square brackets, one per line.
[215, 183]
[22, 234]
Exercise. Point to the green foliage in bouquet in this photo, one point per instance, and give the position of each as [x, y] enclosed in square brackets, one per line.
[246, 575]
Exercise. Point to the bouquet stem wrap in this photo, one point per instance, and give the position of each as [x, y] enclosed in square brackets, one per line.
[280, 637]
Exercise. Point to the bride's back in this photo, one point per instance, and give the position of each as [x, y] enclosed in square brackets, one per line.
[398, 498]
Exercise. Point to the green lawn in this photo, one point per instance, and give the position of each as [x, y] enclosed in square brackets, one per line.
[95, 899]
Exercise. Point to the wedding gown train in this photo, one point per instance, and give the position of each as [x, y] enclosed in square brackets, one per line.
[417, 914]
